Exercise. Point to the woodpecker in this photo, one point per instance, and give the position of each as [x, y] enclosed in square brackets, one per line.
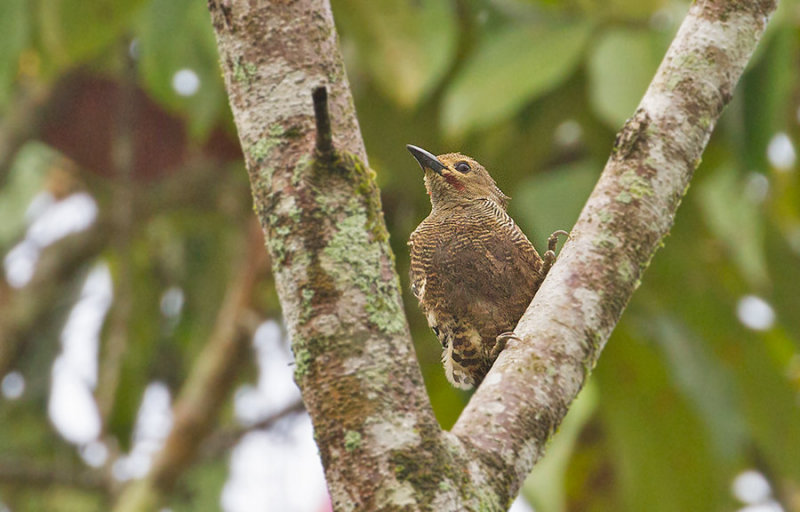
[473, 271]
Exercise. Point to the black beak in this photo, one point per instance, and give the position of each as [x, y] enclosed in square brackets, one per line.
[426, 160]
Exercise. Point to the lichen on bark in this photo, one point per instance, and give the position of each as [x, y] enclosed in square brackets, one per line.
[322, 217]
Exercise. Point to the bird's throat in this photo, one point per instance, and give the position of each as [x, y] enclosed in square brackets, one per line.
[453, 181]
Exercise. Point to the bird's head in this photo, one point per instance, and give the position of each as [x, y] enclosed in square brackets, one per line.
[454, 178]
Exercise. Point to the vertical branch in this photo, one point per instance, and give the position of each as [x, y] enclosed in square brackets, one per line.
[333, 266]
[122, 153]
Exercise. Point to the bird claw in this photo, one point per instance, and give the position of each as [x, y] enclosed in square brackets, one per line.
[552, 240]
[500, 343]
[549, 257]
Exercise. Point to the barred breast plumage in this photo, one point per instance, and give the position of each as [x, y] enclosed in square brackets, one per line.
[472, 269]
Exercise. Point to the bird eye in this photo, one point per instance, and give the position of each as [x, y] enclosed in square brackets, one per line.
[463, 167]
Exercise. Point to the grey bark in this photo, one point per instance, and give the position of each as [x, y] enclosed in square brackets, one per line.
[632, 208]
[332, 263]
[320, 211]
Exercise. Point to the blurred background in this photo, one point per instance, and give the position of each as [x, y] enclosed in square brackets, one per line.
[126, 225]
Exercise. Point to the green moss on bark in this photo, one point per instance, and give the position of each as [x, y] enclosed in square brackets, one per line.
[243, 72]
[637, 186]
[302, 361]
[359, 262]
[352, 440]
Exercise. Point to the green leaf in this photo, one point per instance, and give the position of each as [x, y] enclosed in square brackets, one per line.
[634, 10]
[189, 250]
[700, 376]
[175, 35]
[143, 339]
[545, 485]
[15, 27]
[75, 30]
[26, 178]
[784, 268]
[203, 483]
[621, 65]
[767, 90]
[551, 201]
[695, 279]
[736, 221]
[407, 47]
[770, 399]
[662, 461]
[510, 70]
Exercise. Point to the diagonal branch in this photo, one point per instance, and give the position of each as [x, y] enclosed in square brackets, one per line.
[320, 210]
[527, 393]
[223, 441]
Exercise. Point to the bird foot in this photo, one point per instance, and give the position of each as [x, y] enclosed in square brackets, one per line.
[500, 343]
[549, 257]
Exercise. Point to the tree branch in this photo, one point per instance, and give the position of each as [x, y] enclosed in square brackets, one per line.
[334, 270]
[526, 395]
[379, 442]
[123, 198]
[23, 474]
[222, 441]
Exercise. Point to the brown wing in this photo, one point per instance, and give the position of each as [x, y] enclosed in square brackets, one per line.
[422, 245]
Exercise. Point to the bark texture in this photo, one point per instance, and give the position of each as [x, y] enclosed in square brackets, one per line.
[632, 208]
[334, 270]
[320, 210]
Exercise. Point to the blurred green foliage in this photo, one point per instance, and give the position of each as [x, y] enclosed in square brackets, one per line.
[685, 396]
